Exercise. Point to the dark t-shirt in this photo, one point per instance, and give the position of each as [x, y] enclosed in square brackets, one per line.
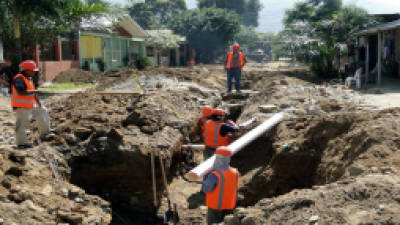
[225, 129]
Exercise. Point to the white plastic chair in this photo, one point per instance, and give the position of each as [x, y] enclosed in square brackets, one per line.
[356, 78]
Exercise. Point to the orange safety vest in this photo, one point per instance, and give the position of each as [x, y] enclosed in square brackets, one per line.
[230, 59]
[23, 101]
[212, 136]
[224, 196]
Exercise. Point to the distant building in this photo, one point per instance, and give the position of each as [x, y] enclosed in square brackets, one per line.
[100, 44]
[379, 51]
[164, 48]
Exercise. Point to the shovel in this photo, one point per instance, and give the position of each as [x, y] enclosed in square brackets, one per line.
[170, 217]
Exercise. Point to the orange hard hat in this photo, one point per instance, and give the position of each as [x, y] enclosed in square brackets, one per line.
[28, 65]
[218, 112]
[207, 111]
[223, 151]
[236, 46]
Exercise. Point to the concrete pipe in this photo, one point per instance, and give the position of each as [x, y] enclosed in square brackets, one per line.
[236, 146]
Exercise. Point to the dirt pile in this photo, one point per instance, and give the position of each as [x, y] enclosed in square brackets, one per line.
[34, 187]
[76, 76]
[307, 151]
[370, 199]
[108, 138]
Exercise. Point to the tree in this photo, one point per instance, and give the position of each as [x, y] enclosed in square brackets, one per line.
[209, 30]
[143, 15]
[25, 22]
[248, 10]
[251, 13]
[319, 25]
[247, 37]
[154, 14]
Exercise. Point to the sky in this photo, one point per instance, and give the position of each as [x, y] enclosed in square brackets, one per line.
[273, 10]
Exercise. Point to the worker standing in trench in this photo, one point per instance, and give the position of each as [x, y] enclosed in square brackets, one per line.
[221, 187]
[206, 112]
[217, 133]
[26, 104]
[234, 64]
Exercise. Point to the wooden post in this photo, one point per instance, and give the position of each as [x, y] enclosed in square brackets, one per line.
[366, 61]
[58, 49]
[379, 58]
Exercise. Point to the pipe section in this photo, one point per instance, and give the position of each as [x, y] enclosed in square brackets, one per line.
[208, 165]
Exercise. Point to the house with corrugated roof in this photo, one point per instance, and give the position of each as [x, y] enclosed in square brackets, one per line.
[164, 48]
[379, 50]
[100, 44]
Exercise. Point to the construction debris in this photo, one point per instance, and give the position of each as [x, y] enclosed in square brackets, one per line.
[332, 160]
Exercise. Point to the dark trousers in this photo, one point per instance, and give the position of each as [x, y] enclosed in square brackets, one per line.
[234, 74]
[217, 216]
[208, 152]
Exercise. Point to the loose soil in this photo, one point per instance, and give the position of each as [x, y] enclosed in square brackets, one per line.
[333, 160]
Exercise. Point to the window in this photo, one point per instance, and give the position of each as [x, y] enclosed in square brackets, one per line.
[150, 51]
[165, 53]
[116, 44]
[48, 52]
[68, 49]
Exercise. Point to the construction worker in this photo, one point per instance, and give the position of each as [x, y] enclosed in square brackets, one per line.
[217, 132]
[221, 187]
[206, 113]
[234, 64]
[26, 104]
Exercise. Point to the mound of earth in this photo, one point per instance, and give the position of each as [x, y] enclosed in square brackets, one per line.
[369, 199]
[108, 140]
[76, 76]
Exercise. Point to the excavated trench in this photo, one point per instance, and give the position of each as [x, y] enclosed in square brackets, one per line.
[272, 165]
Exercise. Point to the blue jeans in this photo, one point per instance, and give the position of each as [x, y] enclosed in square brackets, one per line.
[236, 74]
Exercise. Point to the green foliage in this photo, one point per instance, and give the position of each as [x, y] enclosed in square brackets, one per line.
[251, 14]
[162, 39]
[322, 61]
[326, 22]
[42, 20]
[142, 63]
[248, 10]
[155, 14]
[209, 30]
[143, 14]
[249, 38]
[63, 86]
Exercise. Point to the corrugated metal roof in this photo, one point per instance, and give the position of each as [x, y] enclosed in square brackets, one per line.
[106, 22]
[382, 27]
[165, 32]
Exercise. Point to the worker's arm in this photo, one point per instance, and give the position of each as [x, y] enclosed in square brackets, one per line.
[226, 129]
[20, 85]
[225, 62]
[209, 183]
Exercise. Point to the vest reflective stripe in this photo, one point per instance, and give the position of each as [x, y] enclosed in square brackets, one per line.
[222, 187]
[230, 59]
[23, 101]
[224, 196]
[212, 137]
[216, 134]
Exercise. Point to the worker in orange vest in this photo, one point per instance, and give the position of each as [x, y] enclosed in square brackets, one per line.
[26, 104]
[206, 113]
[217, 132]
[234, 64]
[221, 187]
